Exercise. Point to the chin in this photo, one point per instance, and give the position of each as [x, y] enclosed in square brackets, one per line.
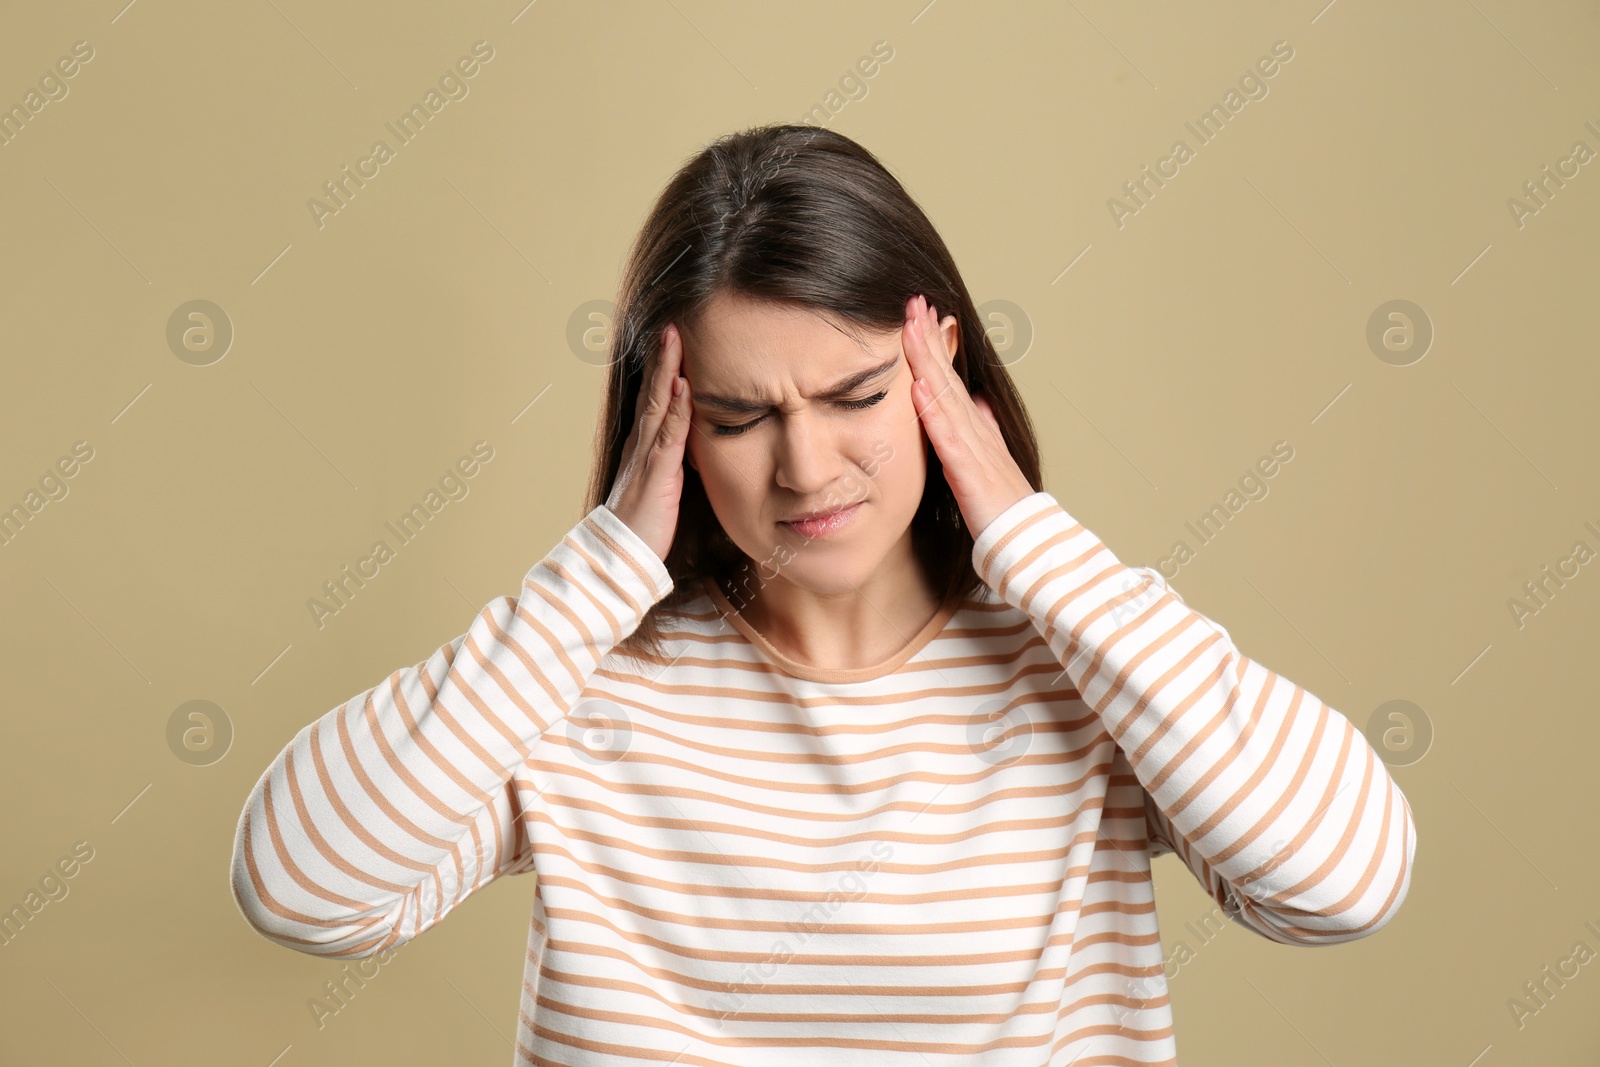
[837, 575]
[822, 565]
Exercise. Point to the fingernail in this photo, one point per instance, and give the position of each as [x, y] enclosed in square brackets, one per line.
[677, 387]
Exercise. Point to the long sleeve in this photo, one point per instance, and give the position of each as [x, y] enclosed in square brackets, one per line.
[1275, 801]
[388, 811]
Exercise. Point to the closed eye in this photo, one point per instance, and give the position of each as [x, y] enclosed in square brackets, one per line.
[864, 402]
[849, 405]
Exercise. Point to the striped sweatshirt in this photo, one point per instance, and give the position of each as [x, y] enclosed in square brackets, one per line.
[741, 859]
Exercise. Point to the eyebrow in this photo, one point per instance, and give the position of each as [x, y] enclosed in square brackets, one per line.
[838, 391]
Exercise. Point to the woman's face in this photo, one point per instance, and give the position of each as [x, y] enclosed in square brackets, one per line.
[793, 417]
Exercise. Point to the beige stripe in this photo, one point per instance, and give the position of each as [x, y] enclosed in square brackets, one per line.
[398, 768]
[721, 859]
[800, 1015]
[647, 886]
[807, 1041]
[702, 954]
[1057, 608]
[810, 788]
[441, 711]
[1241, 791]
[545, 789]
[825, 758]
[513, 693]
[572, 580]
[1336, 855]
[554, 643]
[569, 979]
[1061, 540]
[361, 832]
[736, 694]
[622, 554]
[1336, 860]
[267, 900]
[666, 918]
[327, 852]
[601, 572]
[1066, 568]
[1122, 881]
[479, 861]
[1027, 523]
[1150, 694]
[579, 674]
[636, 962]
[646, 577]
[650, 707]
[807, 842]
[761, 667]
[1223, 716]
[683, 884]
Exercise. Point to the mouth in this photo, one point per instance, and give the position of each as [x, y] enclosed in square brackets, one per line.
[816, 524]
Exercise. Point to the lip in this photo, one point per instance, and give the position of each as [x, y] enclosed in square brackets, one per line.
[821, 524]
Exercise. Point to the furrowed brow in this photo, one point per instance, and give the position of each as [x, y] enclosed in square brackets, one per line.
[840, 389]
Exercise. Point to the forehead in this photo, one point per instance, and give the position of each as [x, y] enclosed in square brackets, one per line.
[743, 344]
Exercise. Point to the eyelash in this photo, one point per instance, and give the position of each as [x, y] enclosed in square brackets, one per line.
[852, 405]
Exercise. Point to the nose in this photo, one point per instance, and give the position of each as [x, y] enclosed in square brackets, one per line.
[808, 457]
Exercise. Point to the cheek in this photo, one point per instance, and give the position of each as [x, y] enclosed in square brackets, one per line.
[712, 466]
[892, 451]
[730, 477]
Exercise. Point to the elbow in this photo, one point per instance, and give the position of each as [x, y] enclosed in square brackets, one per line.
[1380, 898]
[1392, 883]
[1367, 908]
[254, 900]
[261, 897]
[349, 936]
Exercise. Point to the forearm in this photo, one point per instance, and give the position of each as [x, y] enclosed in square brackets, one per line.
[1275, 799]
[387, 811]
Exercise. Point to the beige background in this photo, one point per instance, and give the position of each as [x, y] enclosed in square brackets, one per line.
[369, 354]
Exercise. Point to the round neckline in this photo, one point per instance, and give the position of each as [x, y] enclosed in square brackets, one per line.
[813, 673]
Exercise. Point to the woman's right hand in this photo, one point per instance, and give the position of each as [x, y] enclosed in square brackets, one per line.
[649, 482]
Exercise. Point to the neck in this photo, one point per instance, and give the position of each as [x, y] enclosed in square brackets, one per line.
[857, 626]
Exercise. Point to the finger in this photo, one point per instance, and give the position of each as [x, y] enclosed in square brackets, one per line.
[909, 335]
[941, 375]
[951, 440]
[673, 435]
[948, 388]
[641, 399]
[914, 338]
[656, 389]
[935, 415]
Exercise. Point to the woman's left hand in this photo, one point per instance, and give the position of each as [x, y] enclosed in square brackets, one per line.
[977, 464]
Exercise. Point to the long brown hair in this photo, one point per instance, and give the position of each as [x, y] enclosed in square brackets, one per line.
[806, 217]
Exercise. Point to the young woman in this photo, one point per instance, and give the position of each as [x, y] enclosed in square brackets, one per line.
[830, 737]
